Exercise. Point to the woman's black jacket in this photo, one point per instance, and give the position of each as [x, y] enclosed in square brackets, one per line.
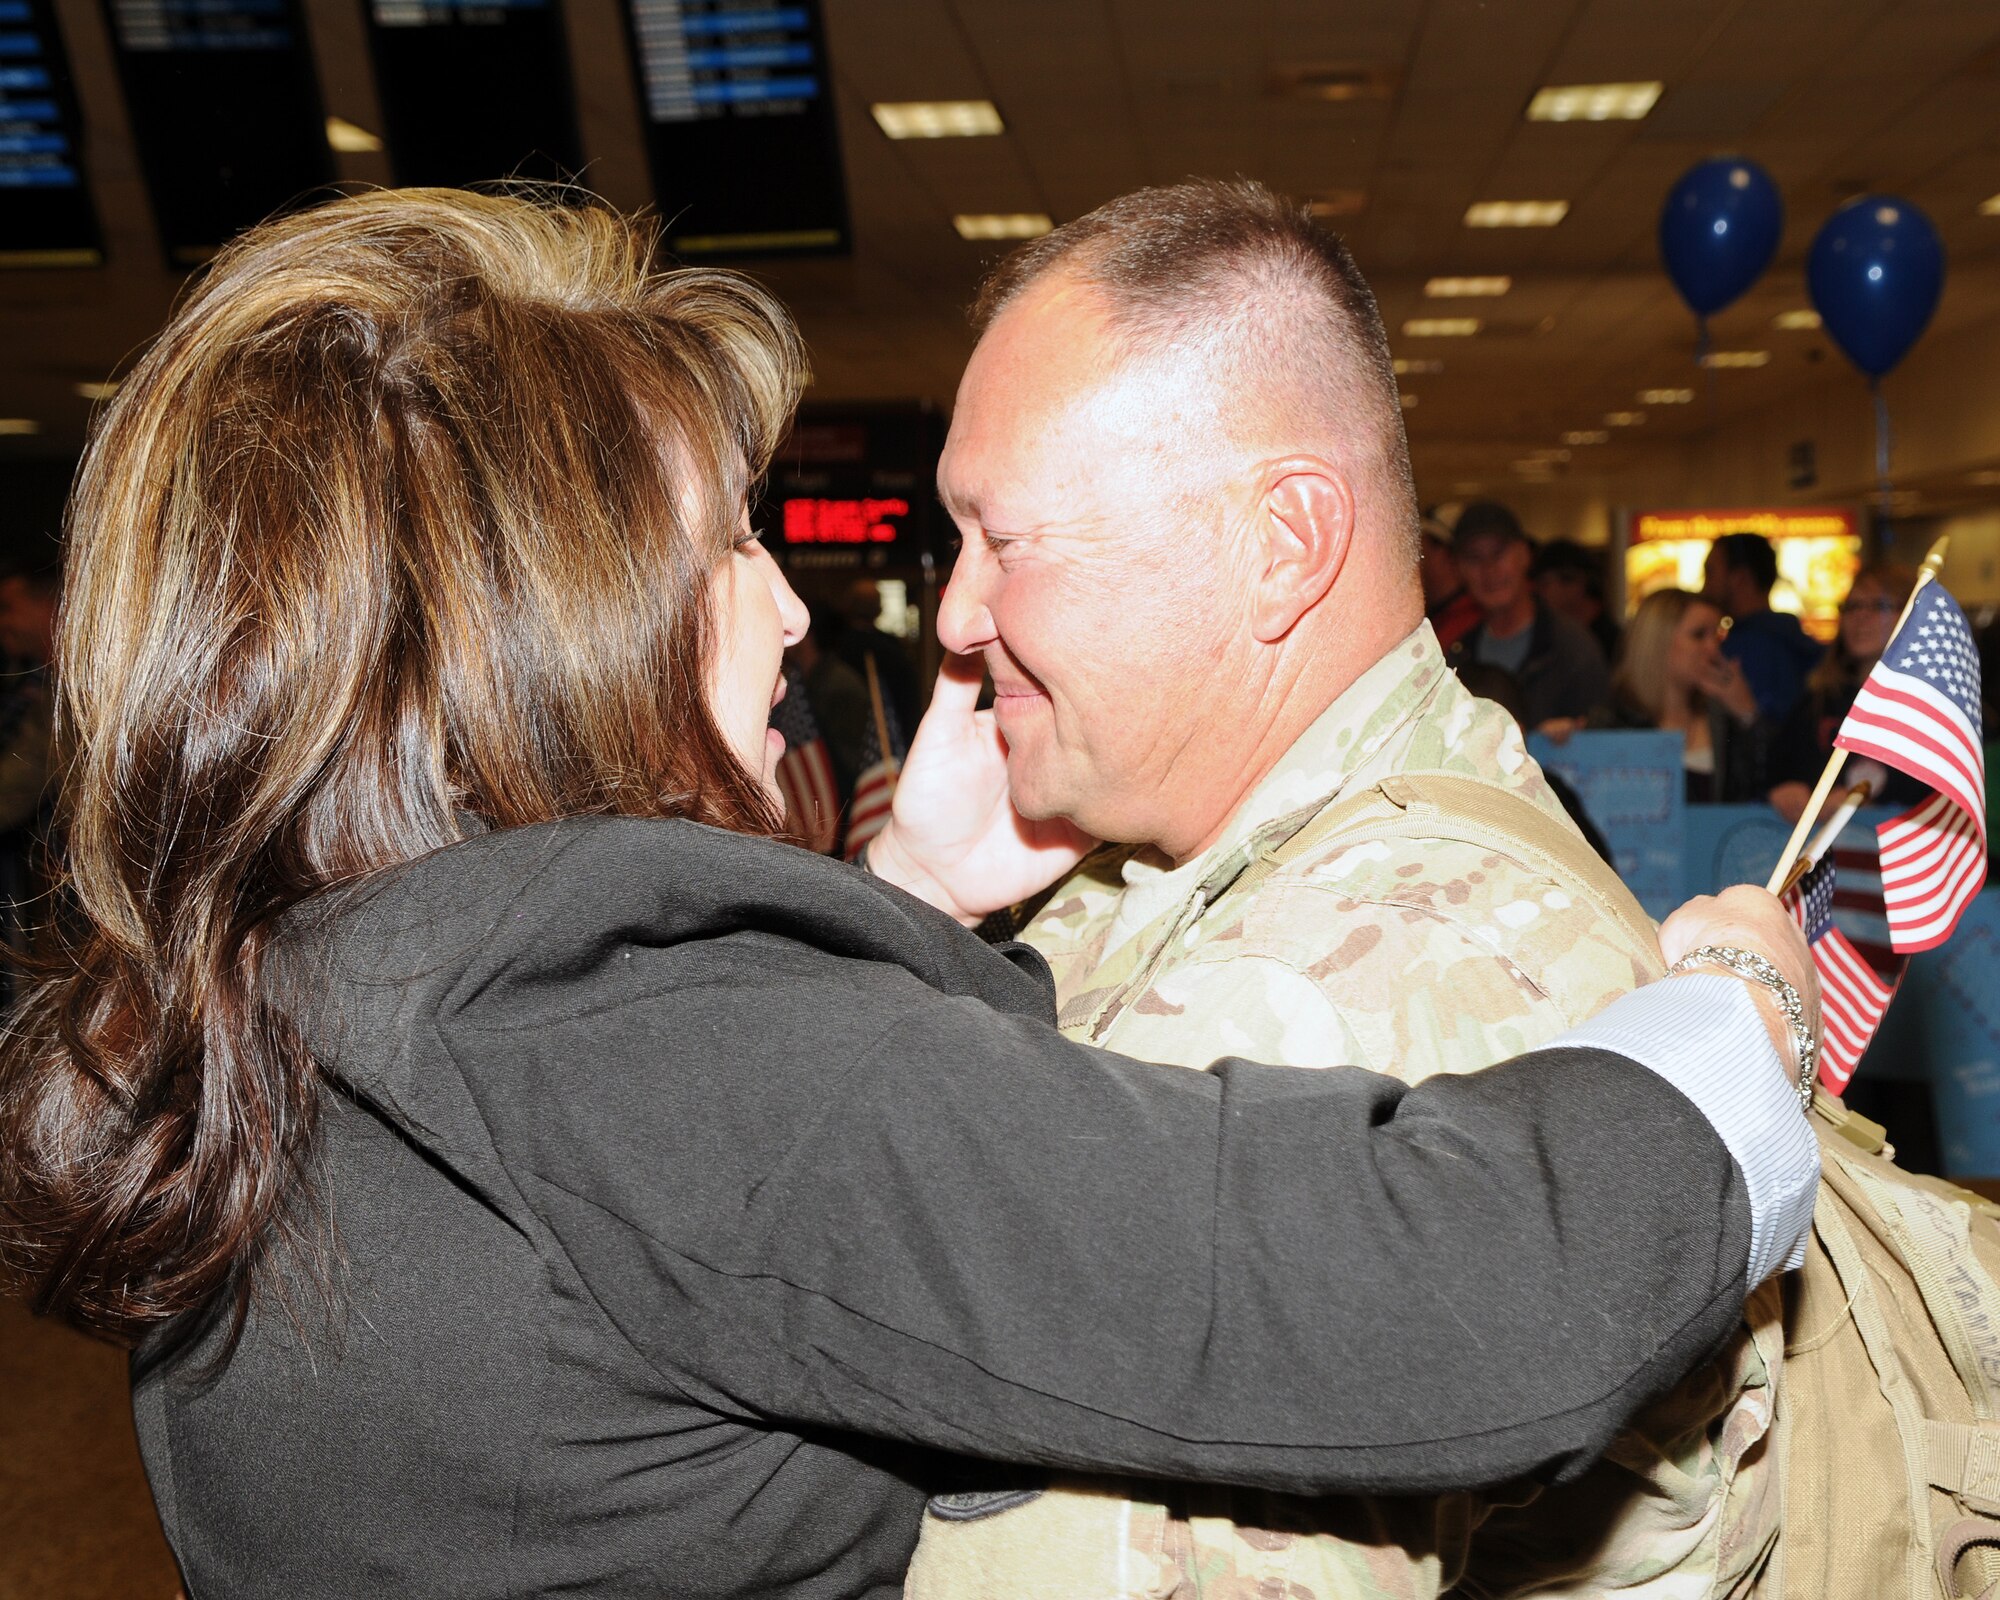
[698, 1201]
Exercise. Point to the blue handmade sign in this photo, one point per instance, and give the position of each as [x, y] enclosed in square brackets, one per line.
[1632, 785]
[1953, 998]
[1741, 844]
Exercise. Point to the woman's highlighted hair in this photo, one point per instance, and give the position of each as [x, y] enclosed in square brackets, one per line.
[407, 517]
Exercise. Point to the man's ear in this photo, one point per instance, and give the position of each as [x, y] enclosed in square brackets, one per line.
[1305, 525]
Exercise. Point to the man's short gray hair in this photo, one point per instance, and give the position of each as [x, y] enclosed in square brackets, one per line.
[1254, 276]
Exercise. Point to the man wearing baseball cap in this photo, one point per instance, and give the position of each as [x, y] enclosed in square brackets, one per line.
[1559, 667]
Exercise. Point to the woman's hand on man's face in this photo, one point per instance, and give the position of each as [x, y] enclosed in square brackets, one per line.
[954, 837]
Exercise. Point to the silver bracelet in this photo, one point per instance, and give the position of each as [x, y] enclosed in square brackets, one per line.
[1759, 969]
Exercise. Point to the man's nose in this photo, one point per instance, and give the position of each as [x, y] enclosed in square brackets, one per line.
[964, 623]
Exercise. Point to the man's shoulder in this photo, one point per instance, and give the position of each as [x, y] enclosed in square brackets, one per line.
[1416, 954]
[1338, 912]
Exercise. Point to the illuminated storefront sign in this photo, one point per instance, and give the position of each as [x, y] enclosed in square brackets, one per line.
[1790, 522]
[1818, 550]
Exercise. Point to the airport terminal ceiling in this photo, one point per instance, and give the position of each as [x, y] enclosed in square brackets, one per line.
[1396, 117]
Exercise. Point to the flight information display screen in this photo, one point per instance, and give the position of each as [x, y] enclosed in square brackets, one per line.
[474, 90]
[225, 113]
[853, 488]
[46, 218]
[740, 126]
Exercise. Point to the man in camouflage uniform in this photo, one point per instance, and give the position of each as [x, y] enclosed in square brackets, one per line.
[1190, 563]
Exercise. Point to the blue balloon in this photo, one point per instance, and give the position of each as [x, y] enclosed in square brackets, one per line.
[1875, 272]
[1718, 231]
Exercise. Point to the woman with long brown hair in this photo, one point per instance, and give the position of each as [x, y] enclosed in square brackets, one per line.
[517, 1172]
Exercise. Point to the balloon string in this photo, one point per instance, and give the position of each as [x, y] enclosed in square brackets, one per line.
[1881, 447]
[1701, 353]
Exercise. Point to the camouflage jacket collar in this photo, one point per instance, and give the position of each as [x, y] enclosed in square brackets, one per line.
[1318, 769]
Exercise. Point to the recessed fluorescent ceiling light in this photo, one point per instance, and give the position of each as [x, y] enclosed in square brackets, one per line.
[1516, 213]
[1665, 397]
[1001, 224]
[1791, 321]
[1466, 288]
[96, 391]
[344, 135]
[19, 426]
[1546, 456]
[1990, 206]
[1623, 419]
[1440, 327]
[936, 119]
[1416, 367]
[1594, 102]
[1587, 436]
[1406, 400]
[1736, 358]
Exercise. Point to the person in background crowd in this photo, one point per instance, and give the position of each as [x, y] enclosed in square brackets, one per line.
[1570, 578]
[1558, 665]
[1771, 646]
[838, 697]
[1805, 738]
[1673, 675]
[28, 598]
[521, 1174]
[1451, 611]
[853, 636]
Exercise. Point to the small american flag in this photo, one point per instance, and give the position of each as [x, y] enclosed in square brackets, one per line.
[1919, 712]
[1852, 997]
[805, 771]
[874, 790]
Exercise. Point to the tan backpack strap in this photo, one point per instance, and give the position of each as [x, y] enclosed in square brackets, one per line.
[1443, 805]
[1845, 1255]
[1963, 1459]
[1931, 1236]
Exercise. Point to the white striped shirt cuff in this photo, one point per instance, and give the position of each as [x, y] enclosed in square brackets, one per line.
[1704, 1035]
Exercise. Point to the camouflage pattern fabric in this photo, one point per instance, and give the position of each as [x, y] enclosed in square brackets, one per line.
[1408, 956]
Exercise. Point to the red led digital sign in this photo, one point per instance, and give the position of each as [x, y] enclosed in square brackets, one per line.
[844, 521]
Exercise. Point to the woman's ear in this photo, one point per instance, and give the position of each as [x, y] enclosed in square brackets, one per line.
[1305, 524]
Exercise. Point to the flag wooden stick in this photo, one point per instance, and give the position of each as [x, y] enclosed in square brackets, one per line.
[1823, 841]
[1843, 813]
[881, 717]
[1827, 779]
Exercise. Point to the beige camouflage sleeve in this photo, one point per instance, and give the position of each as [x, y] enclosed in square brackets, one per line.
[1391, 988]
